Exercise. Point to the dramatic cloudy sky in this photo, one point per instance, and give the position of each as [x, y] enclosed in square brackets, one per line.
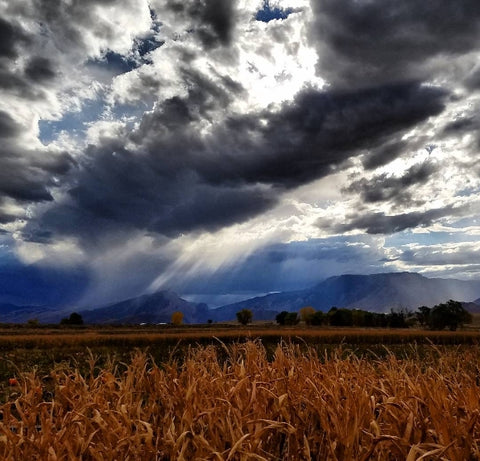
[223, 148]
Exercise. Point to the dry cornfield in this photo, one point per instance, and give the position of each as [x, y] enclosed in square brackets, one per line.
[235, 403]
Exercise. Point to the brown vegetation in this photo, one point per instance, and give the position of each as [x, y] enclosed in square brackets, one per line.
[233, 403]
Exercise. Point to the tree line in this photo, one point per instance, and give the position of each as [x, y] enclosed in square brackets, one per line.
[449, 315]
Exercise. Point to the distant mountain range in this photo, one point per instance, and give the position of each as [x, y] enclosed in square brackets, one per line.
[378, 292]
[152, 308]
[12, 313]
[472, 307]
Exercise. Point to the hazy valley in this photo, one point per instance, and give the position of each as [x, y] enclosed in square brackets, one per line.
[377, 293]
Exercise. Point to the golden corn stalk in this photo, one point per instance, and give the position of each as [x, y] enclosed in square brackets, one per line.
[233, 403]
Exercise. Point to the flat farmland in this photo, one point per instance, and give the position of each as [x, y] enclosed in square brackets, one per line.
[24, 349]
[239, 393]
[12, 338]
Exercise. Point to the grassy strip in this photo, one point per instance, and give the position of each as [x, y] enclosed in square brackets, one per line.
[44, 350]
[134, 337]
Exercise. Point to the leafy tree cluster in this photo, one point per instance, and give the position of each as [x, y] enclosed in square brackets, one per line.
[245, 316]
[362, 318]
[73, 319]
[450, 314]
[287, 318]
[346, 317]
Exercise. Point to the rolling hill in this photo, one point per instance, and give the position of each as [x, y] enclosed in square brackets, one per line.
[157, 307]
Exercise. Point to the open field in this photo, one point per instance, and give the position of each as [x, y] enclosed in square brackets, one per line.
[236, 402]
[24, 349]
[239, 393]
[144, 336]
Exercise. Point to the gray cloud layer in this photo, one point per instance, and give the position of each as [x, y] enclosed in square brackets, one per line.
[187, 156]
[383, 188]
[381, 223]
[214, 20]
[384, 41]
[175, 180]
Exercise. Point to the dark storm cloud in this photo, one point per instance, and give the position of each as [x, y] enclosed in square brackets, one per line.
[304, 141]
[12, 83]
[461, 125]
[25, 185]
[4, 219]
[362, 42]
[384, 154]
[178, 177]
[384, 187]
[214, 20]
[8, 126]
[318, 131]
[122, 192]
[13, 42]
[143, 196]
[65, 20]
[58, 164]
[380, 223]
[38, 237]
[40, 69]
[10, 37]
[175, 116]
[27, 176]
[175, 179]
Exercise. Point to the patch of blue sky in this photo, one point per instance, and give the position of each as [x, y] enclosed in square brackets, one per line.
[147, 45]
[464, 223]
[428, 238]
[74, 123]
[467, 191]
[269, 13]
[115, 63]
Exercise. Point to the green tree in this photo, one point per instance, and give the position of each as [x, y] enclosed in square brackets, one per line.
[358, 317]
[398, 318]
[340, 317]
[281, 317]
[318, 318]
[376, 319]
[450, 314]
[245, 316]
[287, 318]
[291, 318]
[74, 319]
[423, 315]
